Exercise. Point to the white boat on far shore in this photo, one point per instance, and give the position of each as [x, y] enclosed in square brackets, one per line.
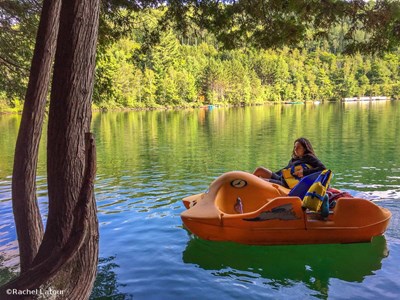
[366, 98]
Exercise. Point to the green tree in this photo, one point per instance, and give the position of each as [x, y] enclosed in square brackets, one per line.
[274, 23]
[186, 85]
[149, 89]
[18, 25]
[167, 93]
[115, 75]
[213, 86]
[282, 78]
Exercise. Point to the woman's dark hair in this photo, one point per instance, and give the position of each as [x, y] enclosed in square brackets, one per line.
[308, 149]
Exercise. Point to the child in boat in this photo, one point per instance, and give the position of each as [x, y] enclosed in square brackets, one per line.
[303, 162]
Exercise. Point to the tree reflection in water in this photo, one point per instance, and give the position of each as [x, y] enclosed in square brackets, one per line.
[278, 266]
[106, 284]
[7, 272]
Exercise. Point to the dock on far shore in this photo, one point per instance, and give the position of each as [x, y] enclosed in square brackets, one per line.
[366, 98]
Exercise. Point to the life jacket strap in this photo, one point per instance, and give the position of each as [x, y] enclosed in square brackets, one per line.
[315, 195]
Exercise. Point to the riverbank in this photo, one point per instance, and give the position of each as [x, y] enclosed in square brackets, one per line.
[95, 108]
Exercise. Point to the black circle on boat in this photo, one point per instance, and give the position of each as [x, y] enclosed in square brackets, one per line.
[238, 183]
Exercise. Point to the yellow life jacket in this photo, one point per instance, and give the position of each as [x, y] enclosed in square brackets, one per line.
[315, 194]
[291, 179]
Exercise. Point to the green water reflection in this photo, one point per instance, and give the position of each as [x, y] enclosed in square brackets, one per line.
[314, 265]
[356, 140]
[357, 136]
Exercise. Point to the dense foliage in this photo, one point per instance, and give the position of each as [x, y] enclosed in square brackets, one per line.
[176, 74]
[18, 23]
[172, 69]
[143, 62]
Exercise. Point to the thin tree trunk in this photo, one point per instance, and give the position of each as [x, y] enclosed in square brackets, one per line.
[69, 117]
[26, 211]
[69, 120]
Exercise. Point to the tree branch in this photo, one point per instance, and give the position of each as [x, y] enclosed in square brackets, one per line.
[26, 210]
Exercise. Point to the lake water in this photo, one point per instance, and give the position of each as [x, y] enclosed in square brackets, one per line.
[148, 161]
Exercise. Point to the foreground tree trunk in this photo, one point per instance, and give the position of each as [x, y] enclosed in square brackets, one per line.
[57, 271]
[69, 117]
[68, 254]
[28, 222]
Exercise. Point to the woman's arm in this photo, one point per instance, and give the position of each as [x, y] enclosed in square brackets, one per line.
[314, 162]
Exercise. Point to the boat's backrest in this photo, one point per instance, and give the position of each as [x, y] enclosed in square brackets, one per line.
[304, 184]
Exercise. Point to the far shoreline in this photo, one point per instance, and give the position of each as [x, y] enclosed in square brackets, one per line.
[95, 108]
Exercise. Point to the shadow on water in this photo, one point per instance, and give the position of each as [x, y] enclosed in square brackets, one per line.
[7, 272]
[284, 266]
[106, 284]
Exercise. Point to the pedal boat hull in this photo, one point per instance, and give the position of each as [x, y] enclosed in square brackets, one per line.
[271, 217]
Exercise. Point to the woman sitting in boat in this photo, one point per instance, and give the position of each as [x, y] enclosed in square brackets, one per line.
[304, 162]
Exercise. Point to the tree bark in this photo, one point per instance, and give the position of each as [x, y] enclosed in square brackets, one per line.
[28, 222]
[69, 120]
[69, 117]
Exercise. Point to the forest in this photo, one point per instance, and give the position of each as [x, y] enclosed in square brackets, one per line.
[144, 67]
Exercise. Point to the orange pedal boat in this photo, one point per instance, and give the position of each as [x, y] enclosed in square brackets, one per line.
[243, 208]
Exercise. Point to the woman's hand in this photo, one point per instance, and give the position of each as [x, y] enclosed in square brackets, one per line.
[298, 173]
